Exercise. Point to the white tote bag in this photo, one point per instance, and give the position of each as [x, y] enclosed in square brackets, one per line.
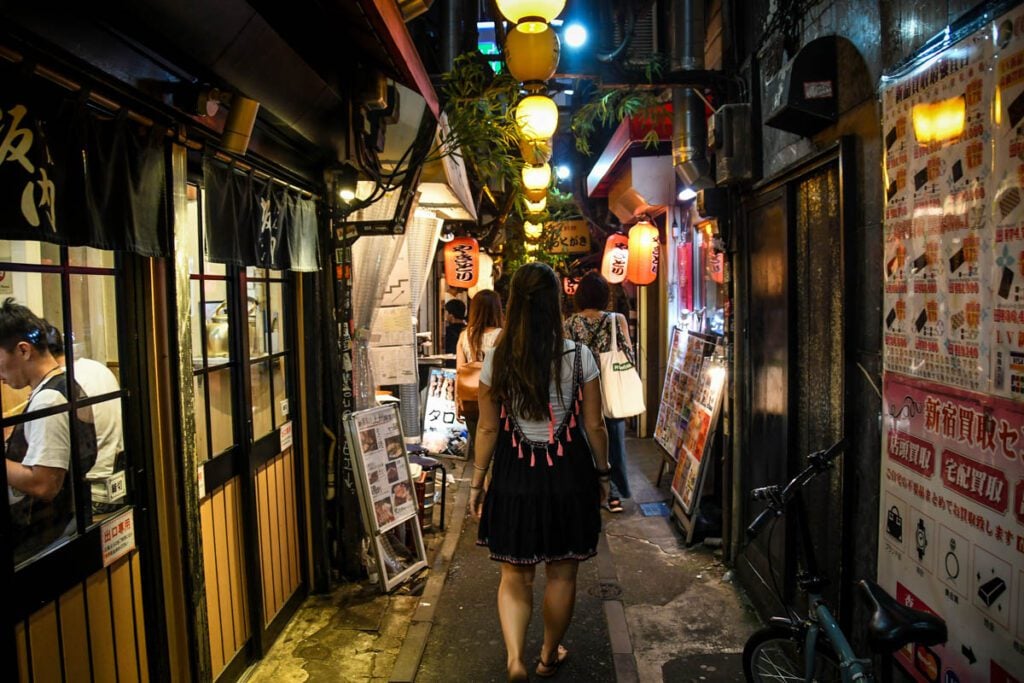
[622, 392]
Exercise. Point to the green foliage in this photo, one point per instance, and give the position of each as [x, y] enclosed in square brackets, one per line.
[611, 105]
[480, 106]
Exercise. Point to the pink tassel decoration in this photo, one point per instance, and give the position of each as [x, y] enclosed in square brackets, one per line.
[568, 435]
[520, 451]
[502, 416]
[508, 424]
[561, 451]
[514, 442]
[551, 424]
[550, 462]
[533, 458]
[572, 420]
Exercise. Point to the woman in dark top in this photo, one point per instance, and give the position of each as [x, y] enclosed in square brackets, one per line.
[538, 391]
[591, 325]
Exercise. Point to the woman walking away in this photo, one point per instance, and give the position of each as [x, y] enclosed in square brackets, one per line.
[537, 391]
[480, 336]
[592, 325]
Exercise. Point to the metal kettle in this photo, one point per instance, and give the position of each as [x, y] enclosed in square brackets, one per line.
[218, 343]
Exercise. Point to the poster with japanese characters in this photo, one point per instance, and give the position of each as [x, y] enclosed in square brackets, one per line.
[951, 536]
[952, 524]
[936, 222]
[671, 421]
[443, 430]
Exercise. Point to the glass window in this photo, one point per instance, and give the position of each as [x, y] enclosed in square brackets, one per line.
[269, 357]
[61, 396]
[210, 305]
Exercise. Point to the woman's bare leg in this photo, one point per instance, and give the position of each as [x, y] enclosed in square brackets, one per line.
[515, 605]
[559, 602]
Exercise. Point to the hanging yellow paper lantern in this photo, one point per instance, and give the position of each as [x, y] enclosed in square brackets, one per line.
[537, 177]
[533, 230]
[644, 252]
[535, 207]
[535, 152]
[537, 117]
[536, 195]
[532, 56]
[616, 258]
[531, 15]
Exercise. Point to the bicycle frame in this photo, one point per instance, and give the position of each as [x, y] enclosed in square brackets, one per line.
[820, 618]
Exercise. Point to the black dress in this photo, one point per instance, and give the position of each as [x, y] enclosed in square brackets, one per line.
[543, 501]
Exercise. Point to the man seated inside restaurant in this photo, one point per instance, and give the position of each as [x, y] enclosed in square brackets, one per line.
[96, 380]
[41, 482]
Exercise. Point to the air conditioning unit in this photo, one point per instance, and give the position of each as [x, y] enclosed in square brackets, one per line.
[729, 138]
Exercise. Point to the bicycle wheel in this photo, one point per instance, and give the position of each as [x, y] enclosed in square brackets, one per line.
[774, 654]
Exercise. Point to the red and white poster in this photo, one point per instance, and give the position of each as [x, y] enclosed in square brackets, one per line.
[952, 523]
[951, 537]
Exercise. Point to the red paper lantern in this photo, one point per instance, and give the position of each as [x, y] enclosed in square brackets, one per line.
[644, 254]
[462, 262]
[616, 258]
[570, 285]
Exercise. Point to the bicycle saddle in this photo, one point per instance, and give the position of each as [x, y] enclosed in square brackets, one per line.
[893, 625]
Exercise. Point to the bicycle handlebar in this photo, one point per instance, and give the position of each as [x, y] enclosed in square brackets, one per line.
[819, 462]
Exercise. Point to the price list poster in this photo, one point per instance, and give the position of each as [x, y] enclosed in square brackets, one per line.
[674, 396]
[951, 537]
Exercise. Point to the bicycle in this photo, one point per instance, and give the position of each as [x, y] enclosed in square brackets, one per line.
[814, 647]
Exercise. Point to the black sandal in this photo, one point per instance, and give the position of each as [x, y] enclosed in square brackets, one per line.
[551, 669]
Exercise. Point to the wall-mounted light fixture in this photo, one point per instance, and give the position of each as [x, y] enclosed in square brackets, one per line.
[345, 179]
[239, 124]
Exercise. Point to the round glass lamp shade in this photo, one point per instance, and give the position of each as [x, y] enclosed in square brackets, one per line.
[532, 56]
[533, 230]
[535, 152]
[535, 207]
[533, 14]
[537, 177]
[644, 252]
[537, 117]
[536, 195]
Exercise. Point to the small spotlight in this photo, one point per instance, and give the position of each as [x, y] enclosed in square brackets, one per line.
[575, 35]
[563, 172]
[345, 180]
[687, 194]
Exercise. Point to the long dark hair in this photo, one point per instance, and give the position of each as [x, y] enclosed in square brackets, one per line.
[484, 312]
[531, 346]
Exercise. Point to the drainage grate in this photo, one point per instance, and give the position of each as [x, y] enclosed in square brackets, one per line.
[659, 509]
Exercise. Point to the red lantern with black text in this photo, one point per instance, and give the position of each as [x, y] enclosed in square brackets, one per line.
[644, 254]
[462, 262]
[616, 258]
[570, 285]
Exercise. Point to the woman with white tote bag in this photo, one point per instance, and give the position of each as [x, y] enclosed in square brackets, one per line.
[593, 325]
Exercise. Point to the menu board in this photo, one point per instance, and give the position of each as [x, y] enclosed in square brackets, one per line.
[700, 426]
[687, 352]
[386, 492]
[952, 499]
[443, 430]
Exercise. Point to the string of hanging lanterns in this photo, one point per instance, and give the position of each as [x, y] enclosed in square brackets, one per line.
[532, 49]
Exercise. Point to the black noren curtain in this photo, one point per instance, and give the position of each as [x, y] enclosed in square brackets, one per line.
[72, 175]
[254, 222]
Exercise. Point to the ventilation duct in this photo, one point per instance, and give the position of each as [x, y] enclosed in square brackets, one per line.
[689, 123]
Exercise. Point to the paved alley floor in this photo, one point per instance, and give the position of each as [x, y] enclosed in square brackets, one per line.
[648, 609]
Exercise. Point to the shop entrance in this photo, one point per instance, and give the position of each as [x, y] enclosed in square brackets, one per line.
[243, 378]
[793, 396]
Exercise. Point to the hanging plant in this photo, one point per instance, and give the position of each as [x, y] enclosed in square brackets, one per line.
[611, 105]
